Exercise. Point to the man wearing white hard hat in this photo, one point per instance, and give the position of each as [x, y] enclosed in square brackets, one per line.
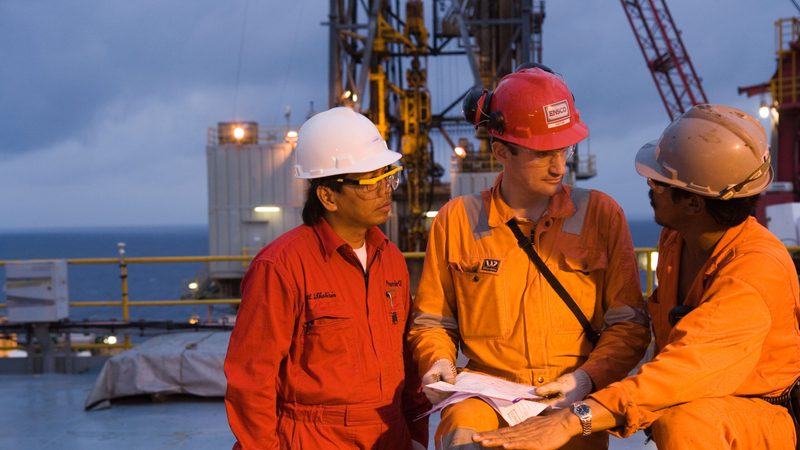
[725, 314]
[317, 357]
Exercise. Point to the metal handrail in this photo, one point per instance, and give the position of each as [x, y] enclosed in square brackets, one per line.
[125, 303]
[124, 261]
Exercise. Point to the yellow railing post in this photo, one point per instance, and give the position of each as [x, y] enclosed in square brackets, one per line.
[123, 276]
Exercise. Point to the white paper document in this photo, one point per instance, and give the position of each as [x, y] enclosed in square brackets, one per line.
[513, 401]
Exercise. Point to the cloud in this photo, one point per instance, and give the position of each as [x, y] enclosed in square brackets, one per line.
[106, 104]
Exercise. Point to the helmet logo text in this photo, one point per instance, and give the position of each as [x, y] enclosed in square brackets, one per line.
[557, 114]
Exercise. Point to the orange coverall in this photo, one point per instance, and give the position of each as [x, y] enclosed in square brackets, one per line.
[480, 290]
[741, 340]
[316, 359]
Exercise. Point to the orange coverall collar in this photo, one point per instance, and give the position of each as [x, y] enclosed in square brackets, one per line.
[331, 241]
[560, 206]
[722, 251]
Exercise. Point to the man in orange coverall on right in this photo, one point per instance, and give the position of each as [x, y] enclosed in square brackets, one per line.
[480, 291]
[725, 314]
[317, 359]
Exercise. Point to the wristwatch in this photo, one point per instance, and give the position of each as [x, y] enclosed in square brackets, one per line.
[584, 414]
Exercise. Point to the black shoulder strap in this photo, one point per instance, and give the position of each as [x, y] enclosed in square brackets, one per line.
[527, 246]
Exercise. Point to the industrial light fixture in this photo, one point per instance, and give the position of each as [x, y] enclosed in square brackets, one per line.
[763, 110]
[267, 209]
[460, 151]
[110, 340]
[431, 214]
[238, 133]
[193, 286]
[291, 136]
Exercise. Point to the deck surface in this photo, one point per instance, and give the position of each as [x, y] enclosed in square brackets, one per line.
[46, 412]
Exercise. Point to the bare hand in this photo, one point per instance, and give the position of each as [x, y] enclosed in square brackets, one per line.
[540, 432]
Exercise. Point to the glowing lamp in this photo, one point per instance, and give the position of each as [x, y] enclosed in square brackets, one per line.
[763, 110]
[238, 133]
[267, 209]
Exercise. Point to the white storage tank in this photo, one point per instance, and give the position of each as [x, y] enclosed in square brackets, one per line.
[37, 291]
[472, 173]
[253, 196]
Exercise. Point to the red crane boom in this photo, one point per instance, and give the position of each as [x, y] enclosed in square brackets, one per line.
[666, 57]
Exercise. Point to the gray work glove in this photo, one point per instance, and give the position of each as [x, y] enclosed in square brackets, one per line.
[567, 389]
[441, 370]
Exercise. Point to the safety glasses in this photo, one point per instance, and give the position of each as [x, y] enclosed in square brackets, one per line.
[369, 186]
[657, 186]
[546, 158]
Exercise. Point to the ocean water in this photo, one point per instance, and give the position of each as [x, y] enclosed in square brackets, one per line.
[98, 282]
[147, 281]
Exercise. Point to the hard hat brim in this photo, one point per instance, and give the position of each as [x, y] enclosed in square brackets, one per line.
[648, 166]
[554, 141]
[375, 162]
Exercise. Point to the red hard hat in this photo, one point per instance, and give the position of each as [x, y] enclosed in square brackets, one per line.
[532, 108]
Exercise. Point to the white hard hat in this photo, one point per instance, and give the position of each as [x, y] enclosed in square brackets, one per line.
[711, 150]
[339, 141]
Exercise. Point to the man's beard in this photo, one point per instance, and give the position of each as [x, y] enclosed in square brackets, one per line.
[655, 218]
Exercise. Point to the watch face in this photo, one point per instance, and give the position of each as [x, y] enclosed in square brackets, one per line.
[582, 410]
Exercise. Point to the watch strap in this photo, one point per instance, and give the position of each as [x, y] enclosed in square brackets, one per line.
[584, 414]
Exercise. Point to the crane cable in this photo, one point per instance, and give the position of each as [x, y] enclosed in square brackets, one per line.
[239, 62]
[292, 47]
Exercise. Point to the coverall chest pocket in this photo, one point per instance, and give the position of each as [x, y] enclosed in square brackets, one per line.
[330, 345]
[395, 315]
[582, 272]
[480, 290]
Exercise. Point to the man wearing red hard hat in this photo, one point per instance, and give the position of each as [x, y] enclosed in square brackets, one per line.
[483, 292]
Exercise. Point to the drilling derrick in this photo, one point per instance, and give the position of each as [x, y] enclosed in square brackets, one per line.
[379, 65]
[370, 42]
[415, 118]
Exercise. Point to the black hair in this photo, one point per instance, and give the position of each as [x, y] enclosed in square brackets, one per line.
[313, 210]
[727, 213]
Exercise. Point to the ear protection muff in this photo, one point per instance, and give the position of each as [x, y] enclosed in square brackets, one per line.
[480, 113]
[469, 106]
[495, 119]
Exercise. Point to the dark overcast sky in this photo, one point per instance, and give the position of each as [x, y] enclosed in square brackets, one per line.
[105, 104]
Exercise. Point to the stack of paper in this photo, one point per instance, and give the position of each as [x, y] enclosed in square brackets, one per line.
[513, 401]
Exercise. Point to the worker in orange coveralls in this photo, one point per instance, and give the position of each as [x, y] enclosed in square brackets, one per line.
[725, 314]
[480, 291]
[317, 359]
